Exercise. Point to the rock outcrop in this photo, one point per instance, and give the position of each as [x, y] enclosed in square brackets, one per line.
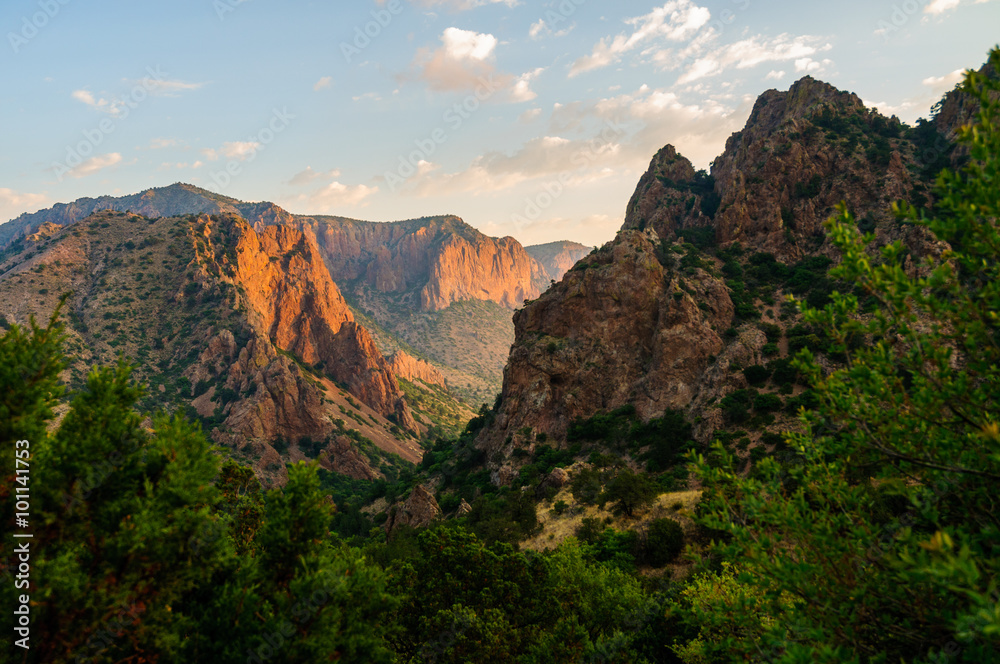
[641, 322]
[409, 368]
[287, 285]
[417, 511]
[432, 262]
[622, 327]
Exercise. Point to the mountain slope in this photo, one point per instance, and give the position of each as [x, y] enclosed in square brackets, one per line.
[244, 329]
[426, 283]
[680, 312]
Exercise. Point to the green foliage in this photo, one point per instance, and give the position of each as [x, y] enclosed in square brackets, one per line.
[887, 510]
[586, 485]
[630, 491]
[145, 551]
[468, 601]
[664, 542]
[756, 374]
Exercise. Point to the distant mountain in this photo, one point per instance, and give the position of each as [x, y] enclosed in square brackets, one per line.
[434, 287]
[245, 330]
[556, 258]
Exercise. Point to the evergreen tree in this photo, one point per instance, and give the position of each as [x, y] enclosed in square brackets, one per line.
[881, 541]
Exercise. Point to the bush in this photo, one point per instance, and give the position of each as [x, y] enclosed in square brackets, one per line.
[586, 486]
[590, 530]
[757, 375]
[766, 403]
[664, 542]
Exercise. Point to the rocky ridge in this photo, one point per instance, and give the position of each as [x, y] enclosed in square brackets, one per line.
[654, 322]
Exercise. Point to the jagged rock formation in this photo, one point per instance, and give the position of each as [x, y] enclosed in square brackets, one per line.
[413, 280]
[432, 262]
[286, 283]
[620, 328]
[222, 321]
[556, 258]
[417, 511]
[641, 321]
[410, 368]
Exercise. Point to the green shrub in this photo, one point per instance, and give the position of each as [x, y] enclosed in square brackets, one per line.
[756, 374]
[664, 542]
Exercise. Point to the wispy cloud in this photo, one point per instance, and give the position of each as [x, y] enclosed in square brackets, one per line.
[13, 203]
[238, 150]
[95, 165]
[308, 175]
[161, 143]
[675, 21]
[323, 83]
[938, 7]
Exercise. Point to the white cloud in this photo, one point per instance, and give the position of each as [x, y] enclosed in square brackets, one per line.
[675, 21]
[465, 62]
[238, 150]
[374, 96]
[323, 83]
[542, 28]
[165, 88]
[94, 165]
[334, 197]
[462, 60]
[944, 83]
[530, 115]
[589, 142]
[149, 86]
[941, 6]
[14, 203]
[911, 108]
[521, 90]
[774, 75]
[308, 175]
[161, 143]
[757, 50]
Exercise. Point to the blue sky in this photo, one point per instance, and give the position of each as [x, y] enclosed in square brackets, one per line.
[530, 119]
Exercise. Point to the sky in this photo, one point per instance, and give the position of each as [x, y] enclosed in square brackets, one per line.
[528, 119]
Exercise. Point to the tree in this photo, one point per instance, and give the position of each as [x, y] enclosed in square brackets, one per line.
[142, 552]
[913, 412]
[630, 491]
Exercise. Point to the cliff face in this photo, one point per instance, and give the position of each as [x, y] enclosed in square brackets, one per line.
[221, 322]
[430, 262]
[800, 154]
[434, 284]
[286, 283]
[622, 327]
[410, 368]
[654, 322]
